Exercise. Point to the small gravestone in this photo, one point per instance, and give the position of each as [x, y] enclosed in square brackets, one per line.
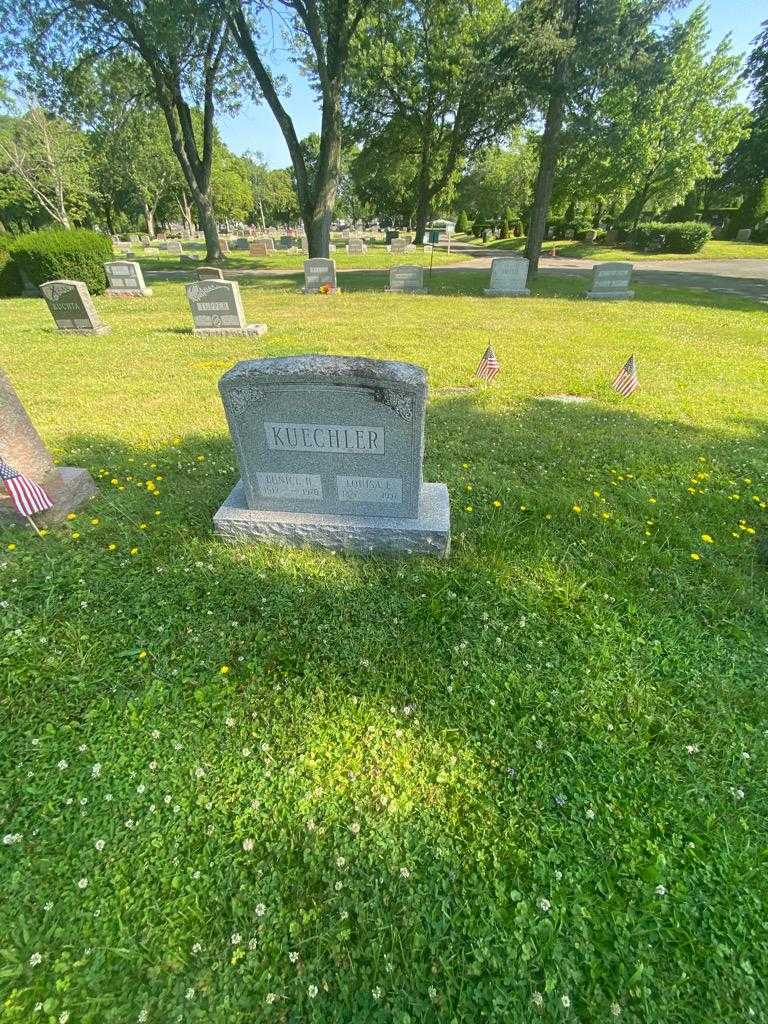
[267, 242]
[407, 278]
[218, 309]
[318, 273]
[145, 239]
[151, 250]
[209, 274]
[611, 236]
[72, 307]
[509, 275]
[399, 246]
[569, 234]
[258, 249]
[590, 236]
[356, 247]
[174, 246]
[240, 245]
[611, 281]
[134, 238]
[744, 235]
[286, 242]
[125, 280]
[330, 449]
[22, 447]
[331, 247]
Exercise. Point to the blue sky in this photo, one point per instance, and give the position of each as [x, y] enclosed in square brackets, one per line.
[255, 128]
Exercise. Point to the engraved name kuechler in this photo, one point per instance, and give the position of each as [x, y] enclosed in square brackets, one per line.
[322, 437]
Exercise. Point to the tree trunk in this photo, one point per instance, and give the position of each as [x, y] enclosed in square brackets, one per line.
[550, 146]
[423, 197]
[149, 217]
[319, 206]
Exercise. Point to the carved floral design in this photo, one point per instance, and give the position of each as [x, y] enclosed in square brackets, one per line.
[400, 404]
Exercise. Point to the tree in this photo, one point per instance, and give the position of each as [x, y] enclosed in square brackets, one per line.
[231, 186]
[498, 182]
[186, 49]
[50, 158]
[746, 167]
[323, 31]
[434, 70]
[462, 223]
[383, 172]
[571, 49]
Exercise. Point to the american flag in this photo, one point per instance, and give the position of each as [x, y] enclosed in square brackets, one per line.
[28, 497]
[488, 366]
[625, 381]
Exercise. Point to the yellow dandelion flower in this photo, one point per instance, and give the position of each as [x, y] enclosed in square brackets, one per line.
[695, 557]
[75, 535]
[134, 551]
[577, 508]
[95, 521]
[497, 504]
[651, 501]
[224, 669]
[469, 487]
[111, 547]
[201, 458]
[158, 512]
[706, 538]
[468, 508]
[114, 481]
[11, 547]
[596, 493]
[142, 654]
[71, 516]
[142, 526]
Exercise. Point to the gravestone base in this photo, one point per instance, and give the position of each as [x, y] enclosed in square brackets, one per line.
[521, 294]
[250, 329]
[70, 488]
[611, 295]
[128, 293]
[429, 534]
[408, 291]
[103, 329]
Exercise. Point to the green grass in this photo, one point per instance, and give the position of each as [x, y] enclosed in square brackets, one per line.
[712, 250]
[377, 257]
[570, 709]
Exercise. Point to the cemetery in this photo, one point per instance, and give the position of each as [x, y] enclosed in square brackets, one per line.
[383, 552]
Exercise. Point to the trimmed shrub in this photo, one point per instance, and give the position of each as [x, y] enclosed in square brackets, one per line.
[10, 282]
[76, 255]
[687, 236]
[462, 223]
[504, 233]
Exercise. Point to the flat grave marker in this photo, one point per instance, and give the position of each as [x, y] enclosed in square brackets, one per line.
[210, 274]
[330, 450]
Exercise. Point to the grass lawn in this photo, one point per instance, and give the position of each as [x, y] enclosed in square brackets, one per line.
[243, 784]
[376, 257]
[712, 250]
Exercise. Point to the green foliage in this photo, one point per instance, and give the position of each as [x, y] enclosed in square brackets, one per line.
[753, 210]
[10, 282]
[75, 255]
[504, 233]
[497, 177]
[688, 236]
[462, 222]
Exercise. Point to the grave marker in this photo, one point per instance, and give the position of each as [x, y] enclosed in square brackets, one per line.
[258, 249]
[317, 273]
[744, 235]
[72, 308]
[399, 246]
[218, 309]
[22, 447]
[125, 280]
[407, 278]
[611, 281]
[209, 274]
[509, 275]
[174, 246]
[356, 247]
[330, 449]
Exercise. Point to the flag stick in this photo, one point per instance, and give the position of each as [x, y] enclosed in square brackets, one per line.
[431, 257]
[33, 524]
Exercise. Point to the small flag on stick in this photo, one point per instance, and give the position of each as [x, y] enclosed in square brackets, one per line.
[28, 497]
[625, 381]
[488, 366]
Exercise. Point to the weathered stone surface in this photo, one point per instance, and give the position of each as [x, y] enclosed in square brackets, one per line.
[399, 245]
[428, 533]
[126, 280]
[217, 308]
[508, 277]
[210, 274]
[72, 307]
[224, 246]
[356, 247]
[743, 234]
[319, 272]
[611, 281]
[407, 278]
[174, 246]
[22, 447]
[259, 249]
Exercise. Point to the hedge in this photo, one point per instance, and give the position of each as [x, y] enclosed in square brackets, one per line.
[76, 255]
[10, 282]
[687, 236]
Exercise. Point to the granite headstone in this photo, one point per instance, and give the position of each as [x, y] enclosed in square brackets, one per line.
[218, 309]
[319, 272]
[743, 234]
[611, 281]
[209, 274]
[330, 450]
[406, 278]
[125, 280]
[72, 307]
[509, 275]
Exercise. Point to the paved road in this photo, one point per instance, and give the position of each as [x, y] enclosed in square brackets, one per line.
[745, 278]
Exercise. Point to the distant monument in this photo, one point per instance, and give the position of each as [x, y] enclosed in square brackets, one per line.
[218, 309]
[509, 275]
[611, 281]
[72, 308]
[125, 280]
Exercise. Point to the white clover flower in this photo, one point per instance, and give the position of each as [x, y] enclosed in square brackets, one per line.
[247, 845]
[155, 734]
[590, 814]
[376, 992]
[311, 826]
[143, 1015]
[344, 915]
[83, 883]
[566, 1001]
[199, 772]
[354, 828]
[432, 992]
[745, 755]
[271, 997]
[338, 886]
[82, 748]
[229, 722]
[246, 751]
[47, 906]
[35, 959]
[190, 993]
[62, 765]
[405, 873]
[235, 938]
[197, 948]
[293, 957]
[99, 844]
[538, 999]
[260, 910]
[312, 991]
[544, 905]
[660, 890]
[153, 766]
[615, 1009]
[340, 862]
[141, 789]
[12, 838]
[96, 770]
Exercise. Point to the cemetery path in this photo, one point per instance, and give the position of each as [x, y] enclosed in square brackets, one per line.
[745, 278]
